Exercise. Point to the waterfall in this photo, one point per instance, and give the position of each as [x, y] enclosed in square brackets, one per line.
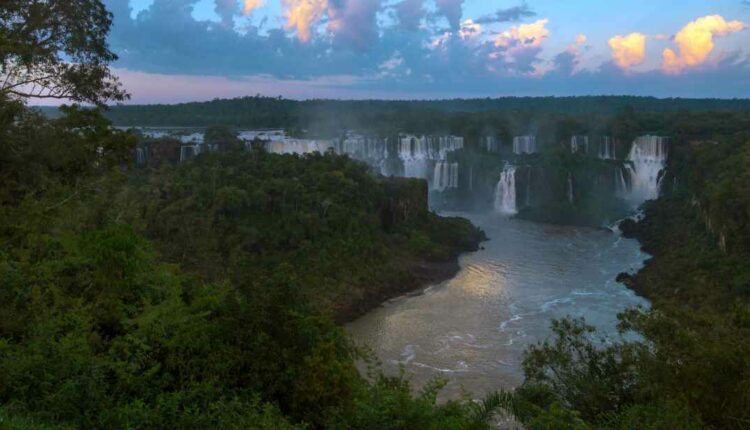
[579, 144]
[298, 146]
[570, 188]
[524, 145]
[413, 153]
[647, 160]
[607, 149]
[445, 176]
[492, 144]
[505, 193]
[140, 157]
[190, 151]
[621, 187]
[418, 153]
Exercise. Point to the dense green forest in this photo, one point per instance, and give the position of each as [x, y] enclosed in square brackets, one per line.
[269, 112]
[203, 294]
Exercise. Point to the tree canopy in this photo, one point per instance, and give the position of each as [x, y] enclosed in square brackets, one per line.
[57, 49]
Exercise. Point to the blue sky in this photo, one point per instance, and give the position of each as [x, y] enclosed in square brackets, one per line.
[182, 50]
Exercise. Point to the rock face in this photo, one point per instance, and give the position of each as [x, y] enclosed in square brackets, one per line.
[626, 279]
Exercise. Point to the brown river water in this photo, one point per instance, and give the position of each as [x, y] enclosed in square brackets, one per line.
[474, 328]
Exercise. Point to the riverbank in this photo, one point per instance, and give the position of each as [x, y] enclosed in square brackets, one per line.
[411, 275]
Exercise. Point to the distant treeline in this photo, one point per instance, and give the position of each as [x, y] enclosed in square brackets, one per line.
[269, 112]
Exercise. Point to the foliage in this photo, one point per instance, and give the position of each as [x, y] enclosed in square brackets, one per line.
[471, 116]
[57, 49]
[200, 295]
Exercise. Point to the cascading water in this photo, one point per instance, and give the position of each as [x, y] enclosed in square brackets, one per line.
[607, 149]
[646, 162]
[418, 154]
[298, 146]
[188, 152]
[140, 157]
[524, 145]
[446, 176]
[579, 144]
[621, 187]
[505, 193]
[492, 144]
[371, 150]
[413, 153]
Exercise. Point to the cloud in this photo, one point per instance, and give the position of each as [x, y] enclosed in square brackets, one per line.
[354, 23]
[567, 62]
[410, 13]
[379, 57]
[628, 51]
[513, 14]
[519, 47]
[226, 9]
[251, 5]
[696, 41]
[469, 30]
[452, 10]
[351, 22]
[303, 15]
[523, 36]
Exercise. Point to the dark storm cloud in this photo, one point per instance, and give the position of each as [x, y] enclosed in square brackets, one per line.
[513, 14]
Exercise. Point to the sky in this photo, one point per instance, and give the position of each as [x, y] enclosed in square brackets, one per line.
[190, 50]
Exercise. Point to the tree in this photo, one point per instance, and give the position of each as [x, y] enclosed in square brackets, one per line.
[57, 49]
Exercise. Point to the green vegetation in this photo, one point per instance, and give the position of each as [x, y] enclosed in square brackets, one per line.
[57, 49]
[465, 117]
[200, 295]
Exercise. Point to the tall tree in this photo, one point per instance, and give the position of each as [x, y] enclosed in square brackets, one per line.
[57, 49]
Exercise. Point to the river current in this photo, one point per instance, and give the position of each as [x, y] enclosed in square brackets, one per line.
[474, 328]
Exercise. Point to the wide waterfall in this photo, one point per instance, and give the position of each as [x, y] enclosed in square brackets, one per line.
[524, 145]
[419, 153]
[446, 176]
[298, 146]
[579, 144]
[371, 150]
[647, 160]
[505, 193]
[607, 149]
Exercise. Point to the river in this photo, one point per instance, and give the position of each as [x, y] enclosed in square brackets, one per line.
[474, 328]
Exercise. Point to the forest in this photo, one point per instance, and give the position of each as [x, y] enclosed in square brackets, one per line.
[270, 112]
